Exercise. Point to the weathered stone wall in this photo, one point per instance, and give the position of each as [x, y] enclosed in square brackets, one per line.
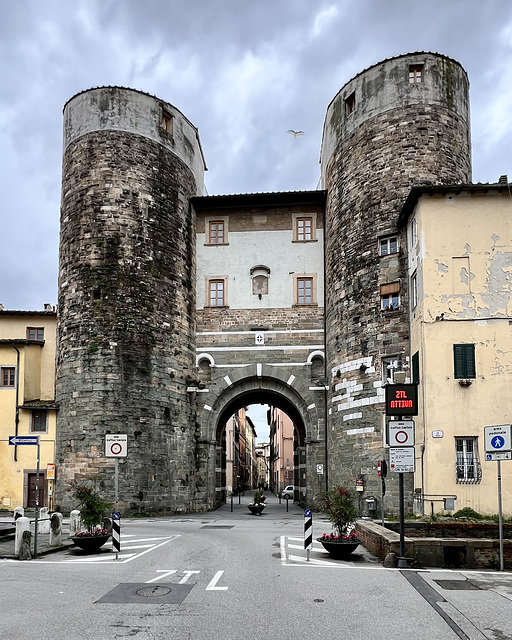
[398, 134]
[126, 323]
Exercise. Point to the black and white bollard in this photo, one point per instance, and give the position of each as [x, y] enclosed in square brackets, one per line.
[308, 532]
[116, 534]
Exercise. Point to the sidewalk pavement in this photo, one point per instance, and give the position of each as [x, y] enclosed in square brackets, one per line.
[7, 528]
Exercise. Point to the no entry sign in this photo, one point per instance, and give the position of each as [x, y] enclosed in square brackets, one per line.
[116, 445]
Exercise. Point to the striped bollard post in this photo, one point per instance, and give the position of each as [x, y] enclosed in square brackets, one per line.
[308, 532]
[116, 533]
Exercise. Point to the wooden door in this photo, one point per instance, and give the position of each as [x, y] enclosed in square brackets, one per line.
[31, 502]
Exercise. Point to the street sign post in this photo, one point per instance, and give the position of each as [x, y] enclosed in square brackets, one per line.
[116, 446]
[498, 447]
[31, 440]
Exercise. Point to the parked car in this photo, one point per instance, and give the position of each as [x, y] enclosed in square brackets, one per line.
[287, 492]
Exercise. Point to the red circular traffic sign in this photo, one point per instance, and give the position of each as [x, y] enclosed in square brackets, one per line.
[116, 448]
[401, 437]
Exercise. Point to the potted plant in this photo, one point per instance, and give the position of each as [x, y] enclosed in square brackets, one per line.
[338, 505]
[92, 511]
[258, 504]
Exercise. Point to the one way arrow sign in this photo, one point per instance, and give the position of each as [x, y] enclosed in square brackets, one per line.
[23, 440]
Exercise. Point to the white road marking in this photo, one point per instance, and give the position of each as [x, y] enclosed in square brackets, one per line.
[187, 576]
[212, 586]
[165, 573]
[123, 557]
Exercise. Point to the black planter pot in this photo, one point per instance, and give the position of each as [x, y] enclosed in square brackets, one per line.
[90, 544]
[339, 550]
[256, 509]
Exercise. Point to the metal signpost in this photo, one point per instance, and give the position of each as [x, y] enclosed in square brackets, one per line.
[308, 532]
[401, 400]
[31, 440]
[116, 446]
[498, 446]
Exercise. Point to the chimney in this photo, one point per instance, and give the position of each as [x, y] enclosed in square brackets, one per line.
[503, 179]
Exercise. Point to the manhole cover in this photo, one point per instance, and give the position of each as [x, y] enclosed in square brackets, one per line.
[144, 593]
[457, 585]
[153, 592]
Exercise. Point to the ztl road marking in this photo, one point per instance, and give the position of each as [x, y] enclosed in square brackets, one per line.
[212, 586]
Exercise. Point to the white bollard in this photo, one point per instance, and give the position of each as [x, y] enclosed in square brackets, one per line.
[74, 522]
[19, 512]
[22, 524]
[56, 530]
[43, 524]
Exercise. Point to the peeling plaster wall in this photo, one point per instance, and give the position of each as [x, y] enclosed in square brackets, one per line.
[463, 264]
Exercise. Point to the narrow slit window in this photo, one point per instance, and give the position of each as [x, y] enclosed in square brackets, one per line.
[350, 104]
[167, 122]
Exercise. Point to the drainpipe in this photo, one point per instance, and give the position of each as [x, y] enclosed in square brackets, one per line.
[327, 382]
[17, 414]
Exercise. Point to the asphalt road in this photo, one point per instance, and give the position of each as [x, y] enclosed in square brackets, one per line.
[230, 575]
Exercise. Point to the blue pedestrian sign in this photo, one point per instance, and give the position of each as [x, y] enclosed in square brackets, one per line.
[497, 438]
[16, 440]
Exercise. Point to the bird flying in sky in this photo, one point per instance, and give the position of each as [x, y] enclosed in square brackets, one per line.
[295, 133]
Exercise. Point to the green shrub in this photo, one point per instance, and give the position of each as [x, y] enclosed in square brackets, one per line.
[469, 513]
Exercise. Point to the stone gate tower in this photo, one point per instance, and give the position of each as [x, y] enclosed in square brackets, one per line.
[126, 327]
[401, 122]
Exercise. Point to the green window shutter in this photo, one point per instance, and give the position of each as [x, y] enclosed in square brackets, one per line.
[464, 361]
[416, 367]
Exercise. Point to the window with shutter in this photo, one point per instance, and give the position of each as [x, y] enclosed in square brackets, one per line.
[416, 367]
[464, 361]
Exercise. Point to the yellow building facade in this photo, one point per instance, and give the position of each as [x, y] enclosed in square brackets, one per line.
[460, 299]
[27, 405]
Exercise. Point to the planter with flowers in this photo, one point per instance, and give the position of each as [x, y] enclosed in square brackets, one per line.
[338, 505]
[92, 511]
[258, 503]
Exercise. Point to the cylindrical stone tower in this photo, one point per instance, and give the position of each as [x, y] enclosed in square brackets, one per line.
[126, 314]
[401, 122]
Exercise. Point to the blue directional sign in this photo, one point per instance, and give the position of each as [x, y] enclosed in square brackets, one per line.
[116, 516]
[307, 513]
[16, 440]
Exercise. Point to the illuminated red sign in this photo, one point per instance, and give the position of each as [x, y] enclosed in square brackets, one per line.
[401, 400]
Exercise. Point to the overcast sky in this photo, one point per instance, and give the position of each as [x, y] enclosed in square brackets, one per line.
[243, 71]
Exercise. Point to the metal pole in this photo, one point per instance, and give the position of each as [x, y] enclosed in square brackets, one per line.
[37, 500]
[402, 562]
[500, 517]
[116, 484]
[382, 485]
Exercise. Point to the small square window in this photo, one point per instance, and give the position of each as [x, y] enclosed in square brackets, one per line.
[216, 231]
[39, 422]
[167, 122]
[304, 229]
[415, 73]
[388, 245]
[390, 296]
[35, 333]
[350, 104]
[7, 376]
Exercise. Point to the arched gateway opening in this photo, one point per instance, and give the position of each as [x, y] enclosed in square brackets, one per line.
[273, 386]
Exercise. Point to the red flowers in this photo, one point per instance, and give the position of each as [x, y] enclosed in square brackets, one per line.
[331, 537]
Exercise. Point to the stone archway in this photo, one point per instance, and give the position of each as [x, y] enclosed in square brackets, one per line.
[266, 384]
